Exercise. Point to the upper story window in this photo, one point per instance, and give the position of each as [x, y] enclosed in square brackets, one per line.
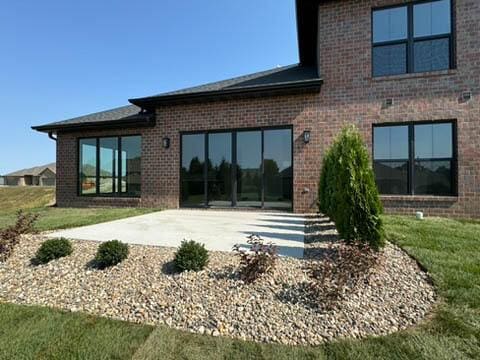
[412, 38]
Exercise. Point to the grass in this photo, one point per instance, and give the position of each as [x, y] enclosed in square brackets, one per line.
[40, 333]
[449, 249]
[37, 200]
[15, 198]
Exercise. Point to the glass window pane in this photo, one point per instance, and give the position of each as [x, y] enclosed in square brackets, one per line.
[88, 166]
[432, 55]
[249, 168]
[278, 168]
[193, 163]
[433, 18]
[220, 169]
[108, 165]
[433, 141]
[390, 142]
[131, 165]
[391, 177]
[390, 24]
[389, 60]
[433, 177]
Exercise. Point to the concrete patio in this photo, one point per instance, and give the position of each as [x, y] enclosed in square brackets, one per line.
[218, 230]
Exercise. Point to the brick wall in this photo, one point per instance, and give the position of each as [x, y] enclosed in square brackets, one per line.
[349, 95]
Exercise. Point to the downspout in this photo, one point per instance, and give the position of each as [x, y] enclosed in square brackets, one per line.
[50, 135]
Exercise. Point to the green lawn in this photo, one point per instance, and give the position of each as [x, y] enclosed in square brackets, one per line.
[449, 249]
[37, 200]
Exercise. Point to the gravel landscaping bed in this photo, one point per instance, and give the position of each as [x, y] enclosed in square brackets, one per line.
[214, 301]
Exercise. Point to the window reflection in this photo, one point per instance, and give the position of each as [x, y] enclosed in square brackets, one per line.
[100, 168]
[88, 166]
[220, 169]
[193, 160]
[278, 169]
[249, 168]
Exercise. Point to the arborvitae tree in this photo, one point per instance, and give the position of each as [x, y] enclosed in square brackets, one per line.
[348, 193]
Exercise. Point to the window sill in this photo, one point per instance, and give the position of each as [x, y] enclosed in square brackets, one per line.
[416, 198]
[430, 74]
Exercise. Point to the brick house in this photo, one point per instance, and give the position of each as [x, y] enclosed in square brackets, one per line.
[405, 73]
[43, 175]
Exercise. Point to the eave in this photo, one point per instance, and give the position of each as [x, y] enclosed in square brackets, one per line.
[138, 121]
[289, 88]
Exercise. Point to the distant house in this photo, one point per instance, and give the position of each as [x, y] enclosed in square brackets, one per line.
[38, 176]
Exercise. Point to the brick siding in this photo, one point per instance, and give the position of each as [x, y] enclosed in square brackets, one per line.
[349, 95]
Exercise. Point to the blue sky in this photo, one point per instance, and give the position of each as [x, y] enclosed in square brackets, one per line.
[61, 59]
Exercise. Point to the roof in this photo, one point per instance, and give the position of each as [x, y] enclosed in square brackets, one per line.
[35, 171]
[299, 78]
[125, 116]
[281, 80]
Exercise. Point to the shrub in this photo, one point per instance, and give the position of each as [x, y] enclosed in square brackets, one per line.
[10, 236]
[111, 253]
[191, 256]
[348, 193]
[256, 261]
[53, 249]
[325, 189]
[341, 269]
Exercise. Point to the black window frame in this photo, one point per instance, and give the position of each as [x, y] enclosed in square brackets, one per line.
[234, 132]
[118, 182]
[411, 39]
[411, 155]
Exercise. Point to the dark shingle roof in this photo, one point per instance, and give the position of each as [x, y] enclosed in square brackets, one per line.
[124, 114]
[35, 171]
[281, 76]
[272, 81]
[113, 114]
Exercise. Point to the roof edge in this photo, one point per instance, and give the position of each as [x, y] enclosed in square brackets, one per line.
[310, 85]
[146, 121]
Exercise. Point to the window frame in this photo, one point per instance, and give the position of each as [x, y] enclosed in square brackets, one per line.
[411, 154]
[411, 39]
[118, 182]
[234, 132]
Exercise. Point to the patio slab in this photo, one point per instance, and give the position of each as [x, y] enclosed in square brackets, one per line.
[218, 230]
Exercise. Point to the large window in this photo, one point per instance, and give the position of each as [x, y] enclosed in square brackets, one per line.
[242, 168]
[416, 37]
[110, 166]
[415, 158]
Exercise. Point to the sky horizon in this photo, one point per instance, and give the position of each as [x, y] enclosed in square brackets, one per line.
[63, 60]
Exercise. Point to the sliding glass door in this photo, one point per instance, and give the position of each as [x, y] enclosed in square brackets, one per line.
[193, 170]
[277, 167]
[240, 168]
[219, 166]
[249, 169]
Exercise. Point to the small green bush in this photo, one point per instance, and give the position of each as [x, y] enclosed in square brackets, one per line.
[111, 253]
[191, 256]
[53, 249]
[348, 193]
